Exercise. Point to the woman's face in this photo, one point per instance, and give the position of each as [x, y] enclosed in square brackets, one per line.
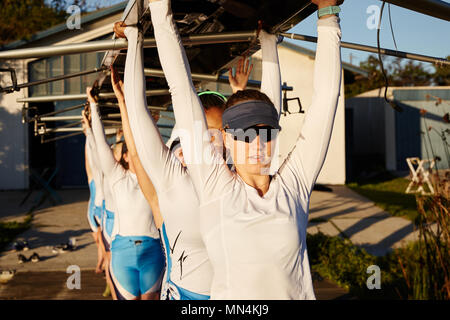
[253, 157]
[214, 122]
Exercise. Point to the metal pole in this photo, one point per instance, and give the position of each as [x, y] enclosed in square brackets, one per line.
[62, 77]
[195, 76]
[70, 125]
[48, 118]
[388, 52]
[118, 44]
[61, 118]
[206, 77]
[82, 96]
[435, 8]
[116, 124]
[60, 137]
[73, 118]
[62, 111]
[42, 130]
[199, 77]
[253, 83]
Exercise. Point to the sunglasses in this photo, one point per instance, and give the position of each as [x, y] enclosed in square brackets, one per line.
[265, 133]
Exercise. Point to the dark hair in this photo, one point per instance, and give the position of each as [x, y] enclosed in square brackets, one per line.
[174, 143]
[212, 101]
[122, 161]
[247, 95]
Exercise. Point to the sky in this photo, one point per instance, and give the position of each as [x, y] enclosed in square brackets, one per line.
[414, 32]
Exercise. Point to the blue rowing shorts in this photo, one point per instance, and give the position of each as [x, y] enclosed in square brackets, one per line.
[137, 266]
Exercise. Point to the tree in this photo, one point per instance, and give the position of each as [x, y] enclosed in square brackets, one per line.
[409, 74]
[400, 73]
[373, 81]
[21, 19]
[442, 75]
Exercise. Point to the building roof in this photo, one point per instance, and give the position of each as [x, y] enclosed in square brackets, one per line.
[312, 54]
[379, 93]
[120, 7]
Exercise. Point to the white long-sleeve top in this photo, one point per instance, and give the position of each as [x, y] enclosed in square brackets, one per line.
[257, 245]
[103, 183]
[93, 161]
[132, 213]
[177, 198]
[191, 269]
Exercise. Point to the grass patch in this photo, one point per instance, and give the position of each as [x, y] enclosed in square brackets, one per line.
[346, 264]
[388, 193]
[10, 230]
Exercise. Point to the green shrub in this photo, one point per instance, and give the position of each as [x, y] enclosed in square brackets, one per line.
[10, 230]
[346, 264]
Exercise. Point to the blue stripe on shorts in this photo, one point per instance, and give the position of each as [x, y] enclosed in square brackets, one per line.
[107, 226]
[91, 208]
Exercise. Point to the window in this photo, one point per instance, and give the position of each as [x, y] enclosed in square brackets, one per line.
[56, 66]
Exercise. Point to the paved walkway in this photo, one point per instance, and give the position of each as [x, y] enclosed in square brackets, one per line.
[340, 211]
[10, 208]
[52, 285]
[53, 225]
[345, 212]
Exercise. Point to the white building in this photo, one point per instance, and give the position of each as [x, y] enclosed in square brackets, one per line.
[20, 151]
[380, 137]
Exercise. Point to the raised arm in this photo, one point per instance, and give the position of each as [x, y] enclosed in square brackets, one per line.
[86, 163]
[271, 75]
[159, 164]
[239, 80]
[199, 154]
[90, 149]
[93, 161]
[308, 155]
[92, 158]
[106, 159]
[144, 181]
